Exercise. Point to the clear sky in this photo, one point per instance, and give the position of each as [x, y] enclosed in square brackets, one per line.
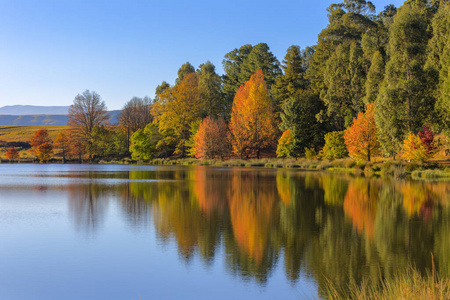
[51, 50]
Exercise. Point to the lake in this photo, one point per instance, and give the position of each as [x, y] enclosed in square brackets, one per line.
[148, 232]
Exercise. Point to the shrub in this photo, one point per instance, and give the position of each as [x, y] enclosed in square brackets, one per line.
[334, 145]
[285, 145]
[414, 149]
[310, 152]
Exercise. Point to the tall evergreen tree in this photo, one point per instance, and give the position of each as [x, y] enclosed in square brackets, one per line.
[348, 21]
[298, 115]
[183, 71]
[438, 64]
[210, 86]
[403, 103]
[232, 66]
[374, 78]
[160, 89]
[260, 58]
[294, 78]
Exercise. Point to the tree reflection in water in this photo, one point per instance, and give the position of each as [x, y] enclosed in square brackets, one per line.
[330, 227]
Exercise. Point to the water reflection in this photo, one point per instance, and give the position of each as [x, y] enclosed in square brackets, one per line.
[329, 227]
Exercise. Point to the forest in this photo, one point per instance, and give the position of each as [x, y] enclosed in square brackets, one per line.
[373, 85]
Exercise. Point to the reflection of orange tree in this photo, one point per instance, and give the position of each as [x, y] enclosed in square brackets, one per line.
[210, 190]
[360, 205]
[177, 215]
[252, 209]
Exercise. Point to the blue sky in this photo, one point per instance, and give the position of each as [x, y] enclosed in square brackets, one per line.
[51, 50]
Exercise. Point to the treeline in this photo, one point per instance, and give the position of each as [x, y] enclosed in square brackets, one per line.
[377, 79]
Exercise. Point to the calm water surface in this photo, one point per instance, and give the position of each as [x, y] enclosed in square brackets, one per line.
[141, 232]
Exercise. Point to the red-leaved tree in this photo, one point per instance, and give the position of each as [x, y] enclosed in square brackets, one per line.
[427, 138]
[12, 154]
[41, 145]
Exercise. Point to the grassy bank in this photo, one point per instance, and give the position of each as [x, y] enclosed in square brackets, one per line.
[398, 169]
[409, 285]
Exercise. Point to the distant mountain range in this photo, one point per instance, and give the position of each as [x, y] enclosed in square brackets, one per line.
[41, 115]
[21, 110]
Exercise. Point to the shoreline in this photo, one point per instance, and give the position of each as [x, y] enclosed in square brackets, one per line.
[394, 168]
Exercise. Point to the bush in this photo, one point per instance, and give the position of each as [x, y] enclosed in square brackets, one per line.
[414, 149]
[334, 145]
[411, 166]
[285, 145]
[310, 152]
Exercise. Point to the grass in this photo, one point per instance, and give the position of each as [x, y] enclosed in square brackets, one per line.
[23, 133]
[394, 168]
[406, 285]
[431, 174]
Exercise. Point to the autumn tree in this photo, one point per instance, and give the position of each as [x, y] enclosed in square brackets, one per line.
[212, 139]
[86, 112]
[12, 154]
[252, 117]
[361, 138]
[414, 149]
[61, 143]
[177, 108]
[41, 145]
[77, 145]
[284, 148]
[135, 115]
[427, 138]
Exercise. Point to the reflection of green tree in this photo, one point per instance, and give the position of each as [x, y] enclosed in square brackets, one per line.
[259, 217]
[442, 245]
[299, 217]
[335, 189]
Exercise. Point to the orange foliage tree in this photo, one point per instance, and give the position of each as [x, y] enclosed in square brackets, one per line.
[12, 154]
[252, 116]
[361, 138]
[212, 140]
[76, 145]
[41, 145]
[61, 142]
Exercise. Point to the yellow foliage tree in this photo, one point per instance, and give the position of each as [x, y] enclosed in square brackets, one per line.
[177, 109]
[284, 144]
[414, 149]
